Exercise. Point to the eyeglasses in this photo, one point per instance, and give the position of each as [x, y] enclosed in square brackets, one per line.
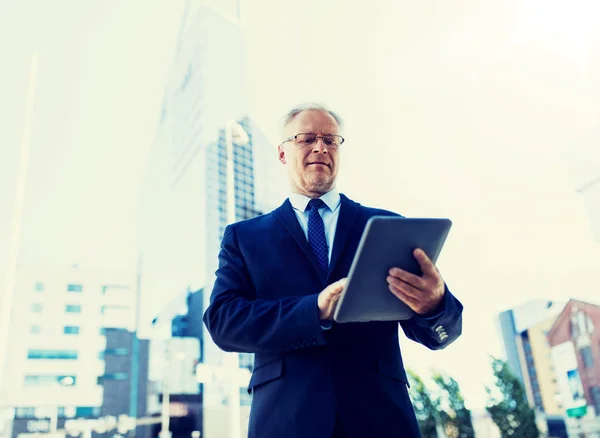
[304, 139]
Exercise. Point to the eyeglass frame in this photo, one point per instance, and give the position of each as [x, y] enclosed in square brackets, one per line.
[317, 137]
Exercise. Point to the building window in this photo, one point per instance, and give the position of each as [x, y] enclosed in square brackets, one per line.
[113, 310]
[25, 412]
[74, 288]
[245, 398]
[586, 356]
[595, 393]
[71, 330]
[113, 352]
[112, 376]
[39, 287]
[37, 307]
[35, 329]
[73, 308]
[87, 412]
[49, 380]
[52, 354]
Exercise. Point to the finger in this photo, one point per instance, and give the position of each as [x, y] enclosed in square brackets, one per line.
[403, 275]
[338, 286]
[405, 288]
[402, 296]
[425, 263]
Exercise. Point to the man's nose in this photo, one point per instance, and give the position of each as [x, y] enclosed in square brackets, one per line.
[320, 146]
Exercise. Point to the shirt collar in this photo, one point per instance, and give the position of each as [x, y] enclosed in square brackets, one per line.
[331, 199]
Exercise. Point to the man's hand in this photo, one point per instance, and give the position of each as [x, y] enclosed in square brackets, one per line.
[422, 294]
[328, 299]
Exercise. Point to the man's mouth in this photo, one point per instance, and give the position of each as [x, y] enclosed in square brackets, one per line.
[318, 162]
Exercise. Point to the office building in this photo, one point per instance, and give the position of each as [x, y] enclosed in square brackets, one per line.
[183, 205]
[118, 395]
[55, 355]
[523, 330]
[176, 350]
[575, 342]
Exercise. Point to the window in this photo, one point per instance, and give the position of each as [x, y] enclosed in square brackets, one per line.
[74, 288]
[25, 412]
[37, 307]
[586, 356]
[112, 376]
[245, 398]
[595, 393]
[73, 308]
[71, 330]
[52, 354]
[49, 380]
[35, 330]
[113, 352]
[39, 287]
[87, 412]
[113, 310]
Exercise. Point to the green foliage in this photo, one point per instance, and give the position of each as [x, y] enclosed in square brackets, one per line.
[425, 409]
[511, 412]
[456, 420]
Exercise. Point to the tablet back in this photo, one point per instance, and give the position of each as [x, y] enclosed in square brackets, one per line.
[387, 242]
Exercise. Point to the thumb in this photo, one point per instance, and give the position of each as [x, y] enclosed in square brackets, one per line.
[341, 284]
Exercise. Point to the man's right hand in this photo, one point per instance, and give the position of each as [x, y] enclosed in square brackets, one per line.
[329, 297]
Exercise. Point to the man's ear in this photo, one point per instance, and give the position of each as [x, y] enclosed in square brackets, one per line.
[281, 154]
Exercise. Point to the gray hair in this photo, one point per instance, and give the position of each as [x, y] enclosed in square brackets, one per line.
[291, 114]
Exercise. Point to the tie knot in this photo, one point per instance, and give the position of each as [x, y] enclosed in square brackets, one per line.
[315, 204]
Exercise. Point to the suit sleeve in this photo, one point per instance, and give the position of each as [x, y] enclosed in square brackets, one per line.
[439, 331]
[238, 321]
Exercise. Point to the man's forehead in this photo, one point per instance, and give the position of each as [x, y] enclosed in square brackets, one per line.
[309, 120]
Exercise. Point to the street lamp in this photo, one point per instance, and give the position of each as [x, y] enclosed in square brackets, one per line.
[234, 135]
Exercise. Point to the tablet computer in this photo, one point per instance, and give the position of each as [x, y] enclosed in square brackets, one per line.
[387, 242]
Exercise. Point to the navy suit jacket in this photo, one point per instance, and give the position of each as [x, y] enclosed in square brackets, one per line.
[264, 301]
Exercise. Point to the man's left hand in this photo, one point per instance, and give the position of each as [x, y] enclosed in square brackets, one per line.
[422, 294]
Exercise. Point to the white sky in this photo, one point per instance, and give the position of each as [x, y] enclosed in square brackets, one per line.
[463, 110]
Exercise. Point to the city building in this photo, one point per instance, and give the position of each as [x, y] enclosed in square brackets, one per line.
[176, 350]
[55, 363]
[186, 194]
[523, 330]
[118, 395]
[575, 342]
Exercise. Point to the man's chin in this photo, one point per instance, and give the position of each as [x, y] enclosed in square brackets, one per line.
[320, 186]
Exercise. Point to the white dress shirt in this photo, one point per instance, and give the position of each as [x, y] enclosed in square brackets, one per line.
[330, 215]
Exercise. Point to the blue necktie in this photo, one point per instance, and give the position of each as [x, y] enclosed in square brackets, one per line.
[316, 234]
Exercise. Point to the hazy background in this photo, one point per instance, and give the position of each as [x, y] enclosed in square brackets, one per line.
[466, 110]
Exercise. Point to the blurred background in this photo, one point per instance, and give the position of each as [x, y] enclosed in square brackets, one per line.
[116, 117]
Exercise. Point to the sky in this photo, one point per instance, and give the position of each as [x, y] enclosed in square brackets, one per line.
[469, 111]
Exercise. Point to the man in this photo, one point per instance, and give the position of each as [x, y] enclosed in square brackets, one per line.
[276, 288]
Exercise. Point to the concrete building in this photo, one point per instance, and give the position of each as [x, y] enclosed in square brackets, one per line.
[575, 342]
[184, 201]
[523, 331]
[55, 360]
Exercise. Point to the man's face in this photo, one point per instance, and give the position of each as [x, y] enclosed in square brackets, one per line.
[312, 168]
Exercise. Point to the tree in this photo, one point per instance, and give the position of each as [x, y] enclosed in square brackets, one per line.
[425, 409]
[511, 411]
[456, 420]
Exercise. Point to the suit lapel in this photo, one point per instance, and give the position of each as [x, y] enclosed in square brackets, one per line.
[346, 220]
[285, 214]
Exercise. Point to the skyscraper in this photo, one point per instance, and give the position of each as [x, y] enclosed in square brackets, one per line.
[184, 202]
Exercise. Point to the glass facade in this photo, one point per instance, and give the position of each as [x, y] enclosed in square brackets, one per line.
[183, 202]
